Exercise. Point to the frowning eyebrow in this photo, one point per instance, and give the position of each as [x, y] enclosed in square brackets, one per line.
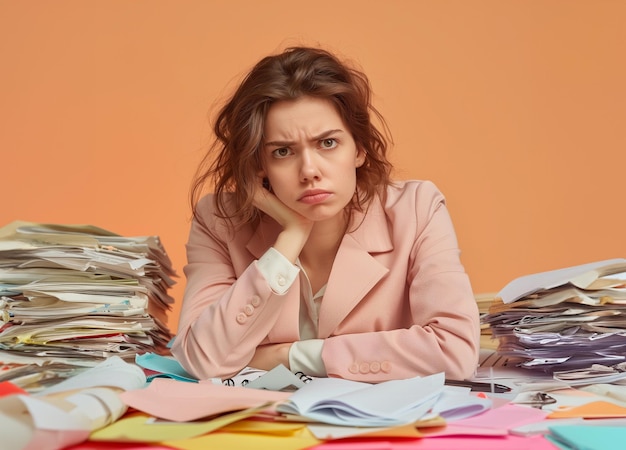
[319, 137]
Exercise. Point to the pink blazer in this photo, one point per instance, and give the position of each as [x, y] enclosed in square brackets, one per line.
[398, 302]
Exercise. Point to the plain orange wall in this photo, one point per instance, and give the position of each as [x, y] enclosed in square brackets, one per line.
[516, 109]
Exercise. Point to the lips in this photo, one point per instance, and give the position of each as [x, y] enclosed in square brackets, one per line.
[314, 196]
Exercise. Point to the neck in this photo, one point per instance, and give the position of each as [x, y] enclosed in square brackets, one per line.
[324, 241]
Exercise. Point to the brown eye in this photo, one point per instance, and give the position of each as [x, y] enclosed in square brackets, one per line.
[328, 143]
[281, 152]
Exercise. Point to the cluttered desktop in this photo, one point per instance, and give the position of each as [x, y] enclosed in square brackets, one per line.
[79, 373]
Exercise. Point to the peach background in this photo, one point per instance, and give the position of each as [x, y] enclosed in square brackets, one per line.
[516, 109]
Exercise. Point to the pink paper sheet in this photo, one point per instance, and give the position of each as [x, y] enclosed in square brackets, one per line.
[182, 401]
[442, 443]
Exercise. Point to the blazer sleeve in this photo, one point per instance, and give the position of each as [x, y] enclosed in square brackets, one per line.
[225, 315]
[445, 331]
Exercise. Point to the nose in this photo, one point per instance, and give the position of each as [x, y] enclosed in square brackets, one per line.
[309, 167]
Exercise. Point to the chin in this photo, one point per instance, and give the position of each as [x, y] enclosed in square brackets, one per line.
[322, 216]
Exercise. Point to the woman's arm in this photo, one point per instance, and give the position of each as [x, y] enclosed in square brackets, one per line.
[445, 331]
[226, 315]
[229, 307]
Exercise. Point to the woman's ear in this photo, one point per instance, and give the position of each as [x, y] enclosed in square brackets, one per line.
[265, 181]
[360, 157]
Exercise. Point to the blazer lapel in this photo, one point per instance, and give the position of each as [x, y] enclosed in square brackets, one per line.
[355, 271]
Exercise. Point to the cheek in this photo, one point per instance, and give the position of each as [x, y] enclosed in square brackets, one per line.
[278, 185]
[284, 194]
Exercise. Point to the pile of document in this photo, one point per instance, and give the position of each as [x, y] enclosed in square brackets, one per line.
[563, 319]
[72, 293]
[68, 412]
[484, 301]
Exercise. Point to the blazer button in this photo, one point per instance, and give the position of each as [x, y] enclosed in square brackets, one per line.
[248, 309]
[375, 367]
[255, 301]
[354, 368]
[364, 368]
[241, 318]
[385, 366]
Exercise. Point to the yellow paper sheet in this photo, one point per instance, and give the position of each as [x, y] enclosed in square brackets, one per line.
[248, 441]
[140, 427]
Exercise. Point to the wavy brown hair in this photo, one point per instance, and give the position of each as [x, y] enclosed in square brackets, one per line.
[233, 161]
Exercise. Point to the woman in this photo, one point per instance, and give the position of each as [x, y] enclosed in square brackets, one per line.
[307, 254]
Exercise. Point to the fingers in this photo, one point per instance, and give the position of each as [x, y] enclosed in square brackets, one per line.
[271, 205]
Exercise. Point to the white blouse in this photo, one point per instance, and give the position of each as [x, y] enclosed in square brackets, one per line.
[305, 355]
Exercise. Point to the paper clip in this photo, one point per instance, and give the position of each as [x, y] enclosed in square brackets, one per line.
[537, 400]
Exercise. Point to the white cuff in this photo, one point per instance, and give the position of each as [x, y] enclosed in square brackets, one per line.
[306, 357]
[279, 272]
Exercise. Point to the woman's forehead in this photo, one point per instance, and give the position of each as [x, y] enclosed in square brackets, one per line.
[305, 117]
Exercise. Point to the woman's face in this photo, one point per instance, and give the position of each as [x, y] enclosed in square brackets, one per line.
[310, 157]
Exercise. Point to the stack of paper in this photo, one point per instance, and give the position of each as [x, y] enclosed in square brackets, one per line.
[563, 319]
[484, 301]
[69, 412]
[69, 293]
